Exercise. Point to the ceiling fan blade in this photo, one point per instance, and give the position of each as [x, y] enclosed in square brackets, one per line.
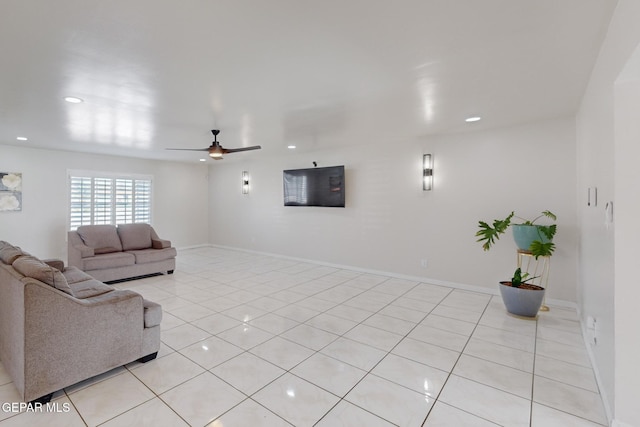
[235, 150]
[215, 149]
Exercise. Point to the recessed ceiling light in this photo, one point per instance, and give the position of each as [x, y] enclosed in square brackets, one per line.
[22, 138]
[473, 119]
[203, 160]
[291, 147]
[73, 99]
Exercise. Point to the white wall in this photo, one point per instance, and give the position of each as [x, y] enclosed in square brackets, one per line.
[627, 234]
[390, 224]
[180, 197]
[602, 294]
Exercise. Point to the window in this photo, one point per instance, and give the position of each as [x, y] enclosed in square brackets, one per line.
[98, 198]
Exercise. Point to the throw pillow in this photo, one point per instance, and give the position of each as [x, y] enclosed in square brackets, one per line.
[135, 236]
[100, 236]
[32, 267]
[9, 253]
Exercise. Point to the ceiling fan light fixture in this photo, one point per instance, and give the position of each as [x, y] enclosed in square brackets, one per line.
[215, 151]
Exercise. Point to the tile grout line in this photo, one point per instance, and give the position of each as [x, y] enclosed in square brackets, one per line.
[450, 291]
[239, 284]
[533, 373]
[454, 366]
[370, 371]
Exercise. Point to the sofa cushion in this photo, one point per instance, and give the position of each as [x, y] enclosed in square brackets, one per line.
[9, 253]
[152, 313]
[32, 267]
[135, 236]
[102, 238]
[144, 256]
[89, 288]
[75, 275]
[107, 250]
[116, 259]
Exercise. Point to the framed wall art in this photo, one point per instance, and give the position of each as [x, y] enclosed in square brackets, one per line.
[10, 191]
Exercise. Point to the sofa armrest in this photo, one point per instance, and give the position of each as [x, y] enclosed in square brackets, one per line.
[77, 250]
[85, 251]
[160, 243]
[55, 263]
[157, 242]
[68, 340]
[109, 298]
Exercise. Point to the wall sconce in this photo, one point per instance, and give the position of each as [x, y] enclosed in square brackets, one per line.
[427, 172]
[245, 182]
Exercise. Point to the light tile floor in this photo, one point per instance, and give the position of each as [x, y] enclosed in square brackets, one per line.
[253, 340]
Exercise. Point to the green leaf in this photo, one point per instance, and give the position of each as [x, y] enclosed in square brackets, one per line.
[516, 280]
[539, 249]
[548, 230]
[548, 214]
[489, 234]
[519, 278]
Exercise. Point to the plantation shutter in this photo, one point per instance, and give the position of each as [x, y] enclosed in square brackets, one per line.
[108, 200]
[142, 201]
[102, 193]
[80, 195]
[124, 201]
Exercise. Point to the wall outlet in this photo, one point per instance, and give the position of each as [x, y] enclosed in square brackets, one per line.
[424, 263]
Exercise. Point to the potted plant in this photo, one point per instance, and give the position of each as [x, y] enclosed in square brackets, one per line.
[521, 298]
[529, 237]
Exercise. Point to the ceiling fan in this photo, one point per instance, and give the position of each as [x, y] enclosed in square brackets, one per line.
[215, 149]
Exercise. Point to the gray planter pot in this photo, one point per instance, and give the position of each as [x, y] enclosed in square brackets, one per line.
[521, 302]
[523, 235]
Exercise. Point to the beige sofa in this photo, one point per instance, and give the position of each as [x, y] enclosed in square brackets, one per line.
[110, 253]
[60, 326]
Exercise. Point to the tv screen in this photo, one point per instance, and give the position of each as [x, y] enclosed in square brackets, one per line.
[314, 187]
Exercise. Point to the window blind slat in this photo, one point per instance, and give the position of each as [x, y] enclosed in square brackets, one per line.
[102, 194]
[80, 201]
[124, 201]
[99, 200]
[142, 197]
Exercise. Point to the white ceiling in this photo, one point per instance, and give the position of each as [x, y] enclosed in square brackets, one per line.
[162, 73]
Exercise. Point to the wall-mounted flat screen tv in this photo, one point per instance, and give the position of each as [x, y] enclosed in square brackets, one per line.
[314, 187]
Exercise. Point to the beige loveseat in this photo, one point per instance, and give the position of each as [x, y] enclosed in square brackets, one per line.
[110, 253]
[60, 326]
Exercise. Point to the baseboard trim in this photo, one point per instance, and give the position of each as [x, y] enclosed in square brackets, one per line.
[438, 282]
[203, 245]
[596, 373]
